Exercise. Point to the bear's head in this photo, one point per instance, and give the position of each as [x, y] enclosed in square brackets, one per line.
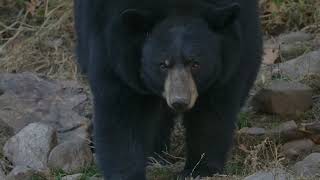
[183, 53]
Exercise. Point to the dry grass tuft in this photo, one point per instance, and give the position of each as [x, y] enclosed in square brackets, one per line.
[40, 40]
[280, 15]
[249, 156]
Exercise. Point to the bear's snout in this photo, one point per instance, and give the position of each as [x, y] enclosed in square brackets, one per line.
[180, 90]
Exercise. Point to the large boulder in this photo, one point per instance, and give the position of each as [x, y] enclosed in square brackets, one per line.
[71, 157]
[283, 97]
[26, 98]
[31, 146]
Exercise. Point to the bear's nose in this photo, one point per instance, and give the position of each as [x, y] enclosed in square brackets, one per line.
[179, 106]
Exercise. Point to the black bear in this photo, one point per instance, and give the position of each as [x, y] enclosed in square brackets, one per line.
[148, 61]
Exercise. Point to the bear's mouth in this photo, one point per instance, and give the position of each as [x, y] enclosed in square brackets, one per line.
[180, 90]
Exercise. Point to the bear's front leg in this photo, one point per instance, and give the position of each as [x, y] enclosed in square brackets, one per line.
[118, 132]
[210, 127]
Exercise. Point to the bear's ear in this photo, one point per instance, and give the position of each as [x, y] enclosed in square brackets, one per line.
[136, 21]
[222, 16]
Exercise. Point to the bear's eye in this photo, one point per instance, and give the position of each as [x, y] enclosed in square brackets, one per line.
[195, 65]
[164, 65]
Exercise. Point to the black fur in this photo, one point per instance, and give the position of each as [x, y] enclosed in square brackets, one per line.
[120, 45]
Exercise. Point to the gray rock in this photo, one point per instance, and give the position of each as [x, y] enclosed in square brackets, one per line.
[284, 127]
[293, 50]
[71, 156]
[293, 37]
[23, 172]
[297, 148]
[28, 98]
[287, 46]
[283, 98]
[72, 177]
[31, 146]
[273, 174]
[299, 68]
[309, 166]
[253, 131]
[286, 131]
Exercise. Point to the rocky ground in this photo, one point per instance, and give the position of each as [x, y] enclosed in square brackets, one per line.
[46, 124]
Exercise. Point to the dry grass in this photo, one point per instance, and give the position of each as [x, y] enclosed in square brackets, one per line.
[280, 15]
[41, 43]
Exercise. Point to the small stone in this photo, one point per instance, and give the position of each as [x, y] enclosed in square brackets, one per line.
[273, 174]
[293, 50]
[302, 66]
[31, 146]
[253, 131]
[293, 37]
[286, 131]
[297, 148]
[72, 177]
[287, 46]
[72, 156]
[23, 172]
[283, 98]
[309, 166]
[284, 127]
